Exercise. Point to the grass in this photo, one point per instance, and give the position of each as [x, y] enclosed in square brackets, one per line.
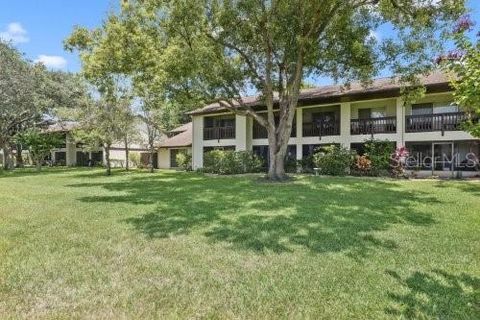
[77, 244]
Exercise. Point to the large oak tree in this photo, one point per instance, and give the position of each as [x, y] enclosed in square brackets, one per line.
[28, 94]
[224, 49]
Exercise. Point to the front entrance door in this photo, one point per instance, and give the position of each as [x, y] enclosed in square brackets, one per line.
[443, 156]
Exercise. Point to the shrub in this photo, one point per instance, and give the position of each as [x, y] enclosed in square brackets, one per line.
[134, 158]
[379, 153]
[398, 162]
[291, 165]
[184, 161]
[333, 160]
[231, 162]
[362, 165]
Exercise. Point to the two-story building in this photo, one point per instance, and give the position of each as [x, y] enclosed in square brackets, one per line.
[430, 128]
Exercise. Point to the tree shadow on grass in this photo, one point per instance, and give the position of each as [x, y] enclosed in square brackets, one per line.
[29, 171]
[436, 295]
[472, 187]
[320, 215]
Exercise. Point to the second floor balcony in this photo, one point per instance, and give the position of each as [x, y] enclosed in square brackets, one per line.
[217, 133]
[260, 132]
[321, 128]
[373, 125]
[451, 121]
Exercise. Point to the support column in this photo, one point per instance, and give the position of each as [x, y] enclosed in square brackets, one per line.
[345, 117]
[299, 133]
[197, 143]
[400, 113]
[240, 133]
[70, 151]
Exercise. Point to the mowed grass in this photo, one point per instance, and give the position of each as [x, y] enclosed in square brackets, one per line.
[77, 244]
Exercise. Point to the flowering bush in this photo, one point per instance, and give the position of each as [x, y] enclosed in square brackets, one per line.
[398, 162]
[362, 165]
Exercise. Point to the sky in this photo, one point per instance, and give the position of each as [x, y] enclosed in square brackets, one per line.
[38, 27]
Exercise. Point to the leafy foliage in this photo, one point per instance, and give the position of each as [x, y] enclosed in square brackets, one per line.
[464, 64]
[204, 50]
[362, 165]
[39, 144]
[380, 154]
[333, 160]
[231, 162]
[29, 92]
[184, 161]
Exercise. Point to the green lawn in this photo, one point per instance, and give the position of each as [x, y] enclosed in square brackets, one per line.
[74, 243]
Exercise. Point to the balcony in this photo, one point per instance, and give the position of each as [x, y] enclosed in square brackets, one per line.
[373, 125]
[260, 132]
[451, 121]
[321, 129]
[217, 133]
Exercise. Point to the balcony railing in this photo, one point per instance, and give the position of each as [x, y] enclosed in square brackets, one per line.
[322, 128]
[451, 121]
[217, 133]
[373, 125]
[260, 132]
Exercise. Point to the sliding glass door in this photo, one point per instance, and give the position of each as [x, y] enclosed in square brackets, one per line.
[443, 156]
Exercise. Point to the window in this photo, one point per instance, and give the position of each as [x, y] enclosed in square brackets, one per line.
[378, 112]
[445, 107]
[97, 157]
[422, 109]
[467, 156]
[173, 158]
[263, 153]
[364, 113]
[420, 155]
[219, 122]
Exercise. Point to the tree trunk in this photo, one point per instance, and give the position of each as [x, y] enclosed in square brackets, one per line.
[276, 169]
[277, 145]
[38, 164]
[107, 160]
[150, 159]
[19, 157]
[6, 158]
[127, 167]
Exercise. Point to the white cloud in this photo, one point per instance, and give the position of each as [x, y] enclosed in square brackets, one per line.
[375, 35]
[14, 33]
[52, 62]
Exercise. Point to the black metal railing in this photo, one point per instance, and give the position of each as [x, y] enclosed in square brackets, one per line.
[217, 133]
[451, 121]
[373, 125]
[260, 132]
[321, 128]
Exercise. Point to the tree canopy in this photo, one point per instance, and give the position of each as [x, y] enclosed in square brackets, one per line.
[464, 65]
[210, 50]
[29, 93]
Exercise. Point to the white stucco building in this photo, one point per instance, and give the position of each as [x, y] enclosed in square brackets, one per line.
[429, 128]
[179, 140]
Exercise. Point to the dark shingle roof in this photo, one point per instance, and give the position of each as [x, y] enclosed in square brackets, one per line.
[436, 80]
[182, 139]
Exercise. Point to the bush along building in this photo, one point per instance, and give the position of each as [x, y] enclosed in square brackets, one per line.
[430, 129]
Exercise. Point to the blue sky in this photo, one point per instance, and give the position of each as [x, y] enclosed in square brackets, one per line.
[38, 27]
